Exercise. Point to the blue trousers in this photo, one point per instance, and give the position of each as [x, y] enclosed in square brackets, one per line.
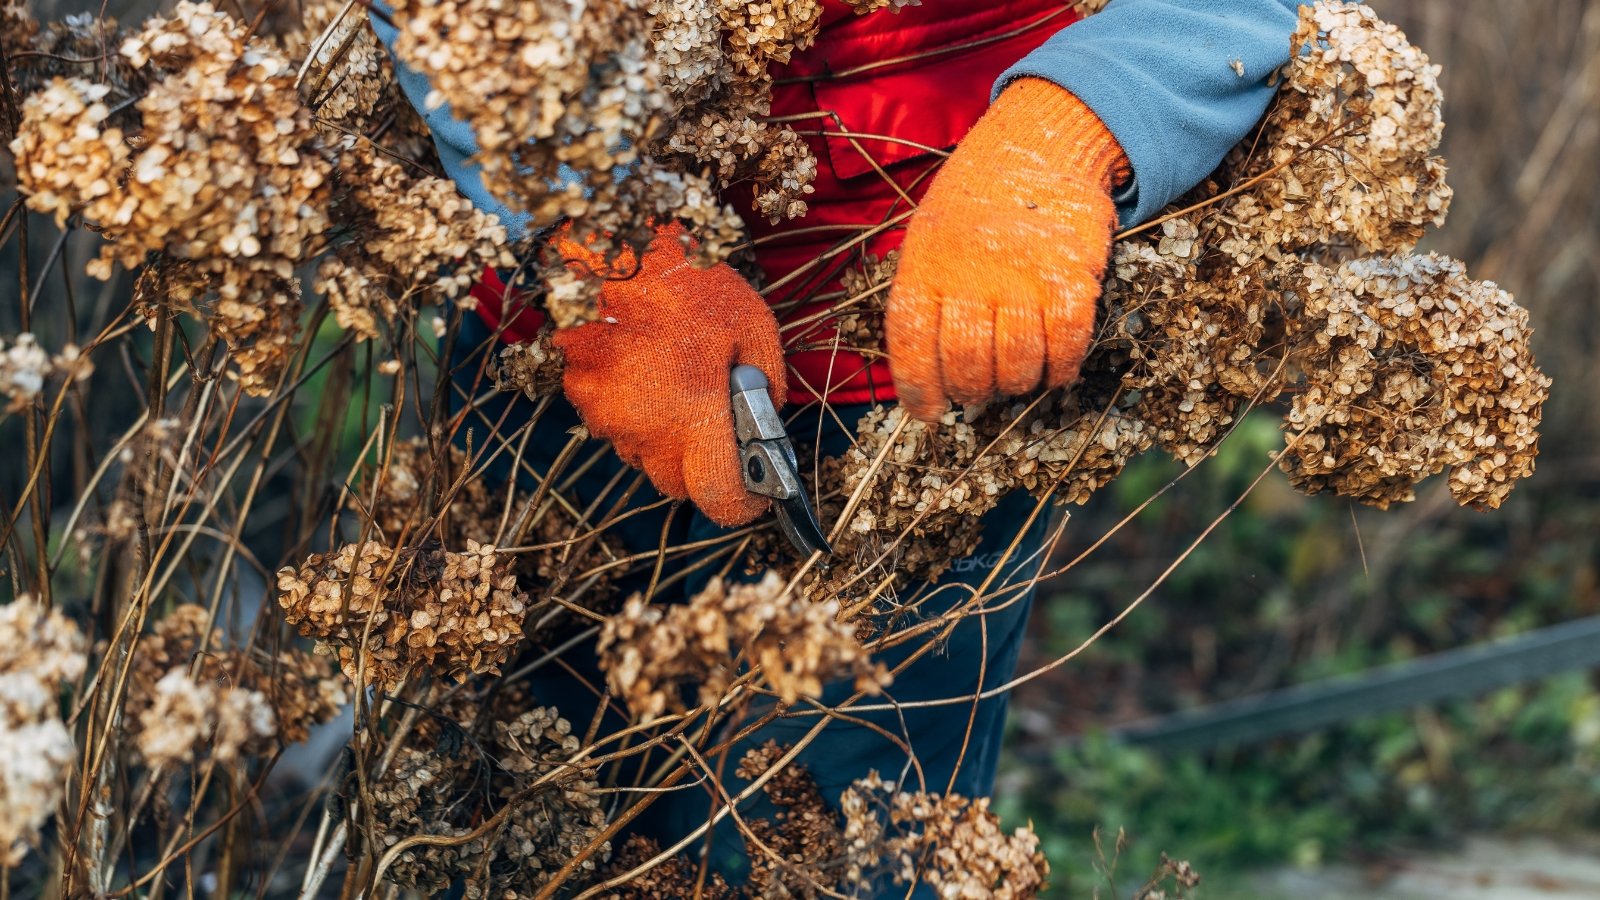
[956, 743]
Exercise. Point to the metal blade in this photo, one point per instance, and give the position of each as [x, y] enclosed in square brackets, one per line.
[800, 526]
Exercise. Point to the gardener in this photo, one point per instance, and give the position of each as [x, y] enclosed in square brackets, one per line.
[1061, 131]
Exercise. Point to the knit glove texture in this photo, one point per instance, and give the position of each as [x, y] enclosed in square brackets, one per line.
[1000, 272]
[651, 375]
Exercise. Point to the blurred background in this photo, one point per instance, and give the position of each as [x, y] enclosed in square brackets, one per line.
[1291, 590]
[1444, 798]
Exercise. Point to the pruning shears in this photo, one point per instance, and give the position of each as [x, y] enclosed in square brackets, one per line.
[767, 457]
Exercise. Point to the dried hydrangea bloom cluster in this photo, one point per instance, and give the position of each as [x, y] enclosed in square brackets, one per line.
[68, 158]
[347, 74]
[543, 84]
[228, 177]
[562, 97]
[952, 843]
[1367, 103]
[648, 652]
[676, 876]
[386, 613]
[533, 367]
[812, 847]
[41, 653]
[467, 760]
[714, 58]
[417, 242]
[20, 24]
[191, 694]
[1410, 368]
[866, 6]
[1398, 366]
[187, 715]
[1198, 312]
[1193, 350]
[72, 47]
[866, 288]
[927, 486]
[922, 483]
[220, 172]
[25, 366]
[18, 28]
[877, 834]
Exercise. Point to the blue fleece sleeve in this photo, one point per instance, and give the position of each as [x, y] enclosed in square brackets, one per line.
[1177, 82]
[453, 138]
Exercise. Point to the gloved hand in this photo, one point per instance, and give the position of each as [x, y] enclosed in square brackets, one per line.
[1000, 271]
[652, 374]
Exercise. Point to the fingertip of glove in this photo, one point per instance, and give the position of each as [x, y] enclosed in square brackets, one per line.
[920, 405]
[735, 511]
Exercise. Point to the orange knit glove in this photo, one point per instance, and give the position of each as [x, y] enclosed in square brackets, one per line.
[652, 375]
[1001, 267]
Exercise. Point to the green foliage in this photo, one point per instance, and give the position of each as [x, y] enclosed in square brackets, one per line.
[1286, 590]
[1520, 759]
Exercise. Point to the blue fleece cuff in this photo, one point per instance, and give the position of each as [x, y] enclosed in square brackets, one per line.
[1177, 82]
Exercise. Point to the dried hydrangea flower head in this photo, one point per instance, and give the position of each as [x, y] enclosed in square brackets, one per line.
[437, 786]
[41, 652]
[190, 716]
[190, 694]
[859, 327]
[533, 368]
[874, 835]
[347, 74]
[865, 6]
[1370, 101]
[924, 488]
[229, 177]
[1410, 368]
[1399, 366]
[72, 47]
[649, 651]
[385, 613]
[542, 83]
[554, 91]
[24, 366]
[714, 61]
[418, 242]
[955, 844]
[18, 27]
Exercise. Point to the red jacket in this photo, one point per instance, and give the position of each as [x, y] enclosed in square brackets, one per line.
[881, 89]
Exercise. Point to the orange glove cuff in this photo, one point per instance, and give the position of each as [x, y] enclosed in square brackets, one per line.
[1082, 148]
